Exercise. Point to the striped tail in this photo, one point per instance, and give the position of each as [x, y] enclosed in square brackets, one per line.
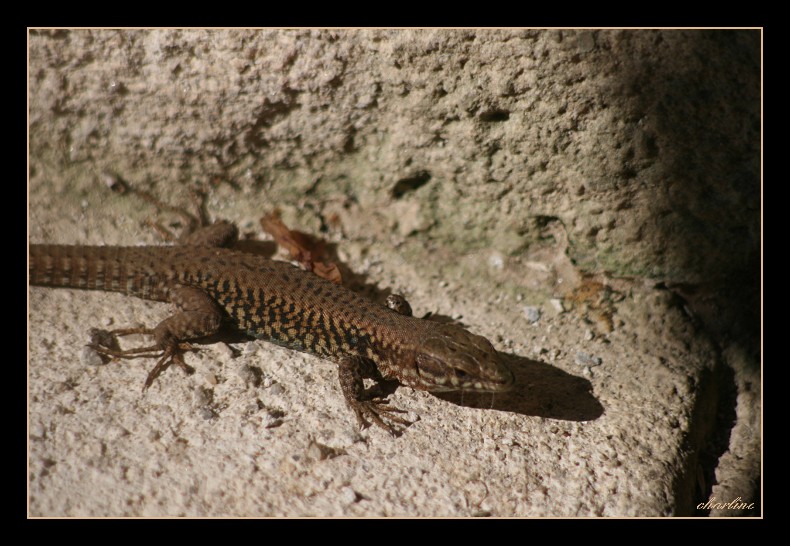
[91, 268]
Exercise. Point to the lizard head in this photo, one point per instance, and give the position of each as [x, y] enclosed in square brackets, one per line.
[453, 359]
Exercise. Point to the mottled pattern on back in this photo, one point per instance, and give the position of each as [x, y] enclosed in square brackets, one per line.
[268, 299]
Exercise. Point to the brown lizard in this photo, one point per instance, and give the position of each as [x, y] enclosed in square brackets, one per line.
[210, 284]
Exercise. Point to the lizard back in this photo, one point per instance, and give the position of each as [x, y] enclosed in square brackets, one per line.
[267, 299]
[279, 302]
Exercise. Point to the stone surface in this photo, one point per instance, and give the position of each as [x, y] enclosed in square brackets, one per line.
[474, 171]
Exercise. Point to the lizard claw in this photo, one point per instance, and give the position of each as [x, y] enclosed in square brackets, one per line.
[379, 412]
[173, 354]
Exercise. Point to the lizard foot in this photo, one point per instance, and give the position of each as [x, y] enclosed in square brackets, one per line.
[379, 412]
[172, 354]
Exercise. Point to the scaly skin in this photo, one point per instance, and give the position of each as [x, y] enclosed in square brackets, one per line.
[278, 302]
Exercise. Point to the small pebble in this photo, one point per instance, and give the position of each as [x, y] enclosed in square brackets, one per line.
[37, 431]
[557, 304]
[532, 313]
[250, 375]
[224, 350]
[276, 389]
[271, 421]
[583, 359]
[246, 374]
[89, 357]
[588, 335]
[496, 261]
[348, 495]
[314, 452]
[203, 397]
[207, 413]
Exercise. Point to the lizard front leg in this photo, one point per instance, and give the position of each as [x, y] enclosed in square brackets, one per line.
[198, 316]
[367, 407]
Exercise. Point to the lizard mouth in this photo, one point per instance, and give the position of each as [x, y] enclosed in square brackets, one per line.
[505, 382]
[501, 381]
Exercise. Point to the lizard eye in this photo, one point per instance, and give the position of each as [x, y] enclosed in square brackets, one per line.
[460, 373]
[430, 366]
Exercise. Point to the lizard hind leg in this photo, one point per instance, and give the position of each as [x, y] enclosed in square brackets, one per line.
[167, 352]
[197, 230]
[198, 316]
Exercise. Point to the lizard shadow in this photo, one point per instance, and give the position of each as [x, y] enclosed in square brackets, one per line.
[539, 390]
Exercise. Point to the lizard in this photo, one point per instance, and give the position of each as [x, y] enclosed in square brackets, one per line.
[211, 284]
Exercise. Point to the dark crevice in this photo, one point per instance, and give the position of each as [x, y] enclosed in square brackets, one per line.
[406, 185]
[495, 115]
[707, 440]
[269, 113]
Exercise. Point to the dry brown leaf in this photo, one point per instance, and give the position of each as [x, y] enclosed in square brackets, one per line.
[302, 247]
